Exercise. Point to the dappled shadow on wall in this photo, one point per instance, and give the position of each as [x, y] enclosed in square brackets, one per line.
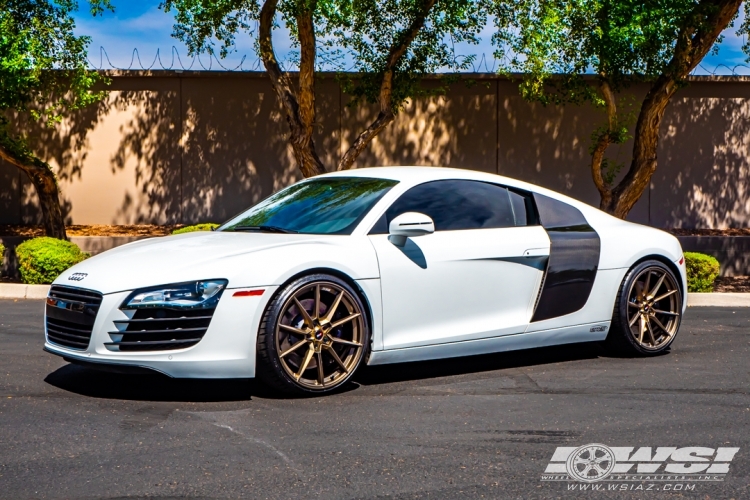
[228, 151]
[548, 145]
[454, 131]
[703, 177]
[235, 149]
[65, 147]
[200, 151]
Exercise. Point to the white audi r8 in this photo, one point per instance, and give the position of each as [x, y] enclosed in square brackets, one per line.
[376, 265]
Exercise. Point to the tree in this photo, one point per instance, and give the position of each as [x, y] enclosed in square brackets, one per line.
[590, 50]
[392, 43]
[43, 73]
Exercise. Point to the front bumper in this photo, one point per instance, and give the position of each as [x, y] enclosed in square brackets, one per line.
[227, 350]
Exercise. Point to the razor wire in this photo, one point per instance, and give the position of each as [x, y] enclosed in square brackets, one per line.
[210, 62]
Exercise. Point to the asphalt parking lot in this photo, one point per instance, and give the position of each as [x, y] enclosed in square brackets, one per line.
[482, 427]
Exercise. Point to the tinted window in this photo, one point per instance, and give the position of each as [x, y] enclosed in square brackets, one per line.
[521, 208]
[556, 214]
[332, 205]
[454, 205]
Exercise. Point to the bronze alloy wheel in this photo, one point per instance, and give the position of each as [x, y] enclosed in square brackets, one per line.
[647, 311]
[653, 308]
[314, 336]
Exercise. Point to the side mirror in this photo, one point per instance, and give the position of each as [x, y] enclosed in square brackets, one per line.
[409, 225]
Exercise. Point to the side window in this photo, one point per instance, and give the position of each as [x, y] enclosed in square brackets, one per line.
[523, 208]
[459, 204]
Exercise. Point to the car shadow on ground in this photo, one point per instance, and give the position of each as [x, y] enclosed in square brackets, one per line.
[90, 382]
[149, 387]
[402, 372]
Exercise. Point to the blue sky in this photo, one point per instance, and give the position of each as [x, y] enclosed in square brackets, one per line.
[141, 25]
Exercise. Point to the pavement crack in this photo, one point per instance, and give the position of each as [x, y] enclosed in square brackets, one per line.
[261, 442]
[524, 382]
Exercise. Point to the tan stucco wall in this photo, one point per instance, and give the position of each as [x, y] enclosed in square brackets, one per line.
[188, 147]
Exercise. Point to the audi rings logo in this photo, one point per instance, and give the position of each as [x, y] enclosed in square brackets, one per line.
[590, 463]
[77, 276]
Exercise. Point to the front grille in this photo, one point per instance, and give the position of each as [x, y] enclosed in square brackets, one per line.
[70, 314]
[161, 329]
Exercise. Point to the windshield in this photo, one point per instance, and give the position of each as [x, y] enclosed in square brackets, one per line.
[332, 205]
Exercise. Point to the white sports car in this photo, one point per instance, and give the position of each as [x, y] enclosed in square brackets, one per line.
[376, 265]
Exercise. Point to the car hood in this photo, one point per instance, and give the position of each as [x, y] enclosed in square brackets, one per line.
[191, 256]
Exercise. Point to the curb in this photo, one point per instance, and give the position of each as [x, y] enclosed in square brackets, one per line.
[719, 299]
[19, 291]
[16, 291]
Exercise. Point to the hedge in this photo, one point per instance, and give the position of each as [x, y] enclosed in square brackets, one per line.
[702, 271]
[42, 260]
[208, 226]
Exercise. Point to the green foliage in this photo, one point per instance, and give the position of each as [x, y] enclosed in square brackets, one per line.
[42, 260]
[2, 252]
[621, 41]
[575, 51]
[201, 24]
[35, 38]
[208, 226]
[43, 67]
[702, 271]
[352, 35]
[367, 31]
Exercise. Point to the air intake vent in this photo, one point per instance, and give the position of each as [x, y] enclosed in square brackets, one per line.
[161, 329]
[70, 314]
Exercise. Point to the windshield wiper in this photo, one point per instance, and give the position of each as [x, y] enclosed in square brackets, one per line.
[267, 229]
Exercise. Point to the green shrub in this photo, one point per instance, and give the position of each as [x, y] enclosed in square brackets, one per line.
[41, 260]
[2, 253]
[702, 270]
[208, 226]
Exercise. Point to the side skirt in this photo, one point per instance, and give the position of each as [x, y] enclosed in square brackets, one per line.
[590, 332]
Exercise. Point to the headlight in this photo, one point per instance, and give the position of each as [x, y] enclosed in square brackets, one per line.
[193, 295]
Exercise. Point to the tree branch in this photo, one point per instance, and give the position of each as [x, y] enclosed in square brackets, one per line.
[45, 184]
[306, 32]
[300, 113]
[697, 36]
[603, 142]
[385, 97]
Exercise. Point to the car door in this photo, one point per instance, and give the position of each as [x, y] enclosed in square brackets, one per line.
[476, 276]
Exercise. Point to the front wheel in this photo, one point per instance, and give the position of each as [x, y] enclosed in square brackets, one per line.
[647, 312]
[313, 337]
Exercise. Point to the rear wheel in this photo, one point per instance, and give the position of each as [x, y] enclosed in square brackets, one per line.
[313, 337]
[647, 312]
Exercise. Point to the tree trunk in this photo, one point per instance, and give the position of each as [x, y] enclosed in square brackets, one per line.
[385, 98]
[45, 184]
[646, 141]
[697, 36]
[300, 111]
[602, 143]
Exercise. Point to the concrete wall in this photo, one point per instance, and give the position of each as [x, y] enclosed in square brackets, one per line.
[169, 147]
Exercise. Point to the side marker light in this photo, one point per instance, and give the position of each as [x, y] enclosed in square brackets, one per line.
[248, 293]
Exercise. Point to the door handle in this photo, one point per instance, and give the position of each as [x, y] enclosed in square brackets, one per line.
[536, 252]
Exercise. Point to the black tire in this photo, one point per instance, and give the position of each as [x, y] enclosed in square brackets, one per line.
[282, 366]
[632, 305]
